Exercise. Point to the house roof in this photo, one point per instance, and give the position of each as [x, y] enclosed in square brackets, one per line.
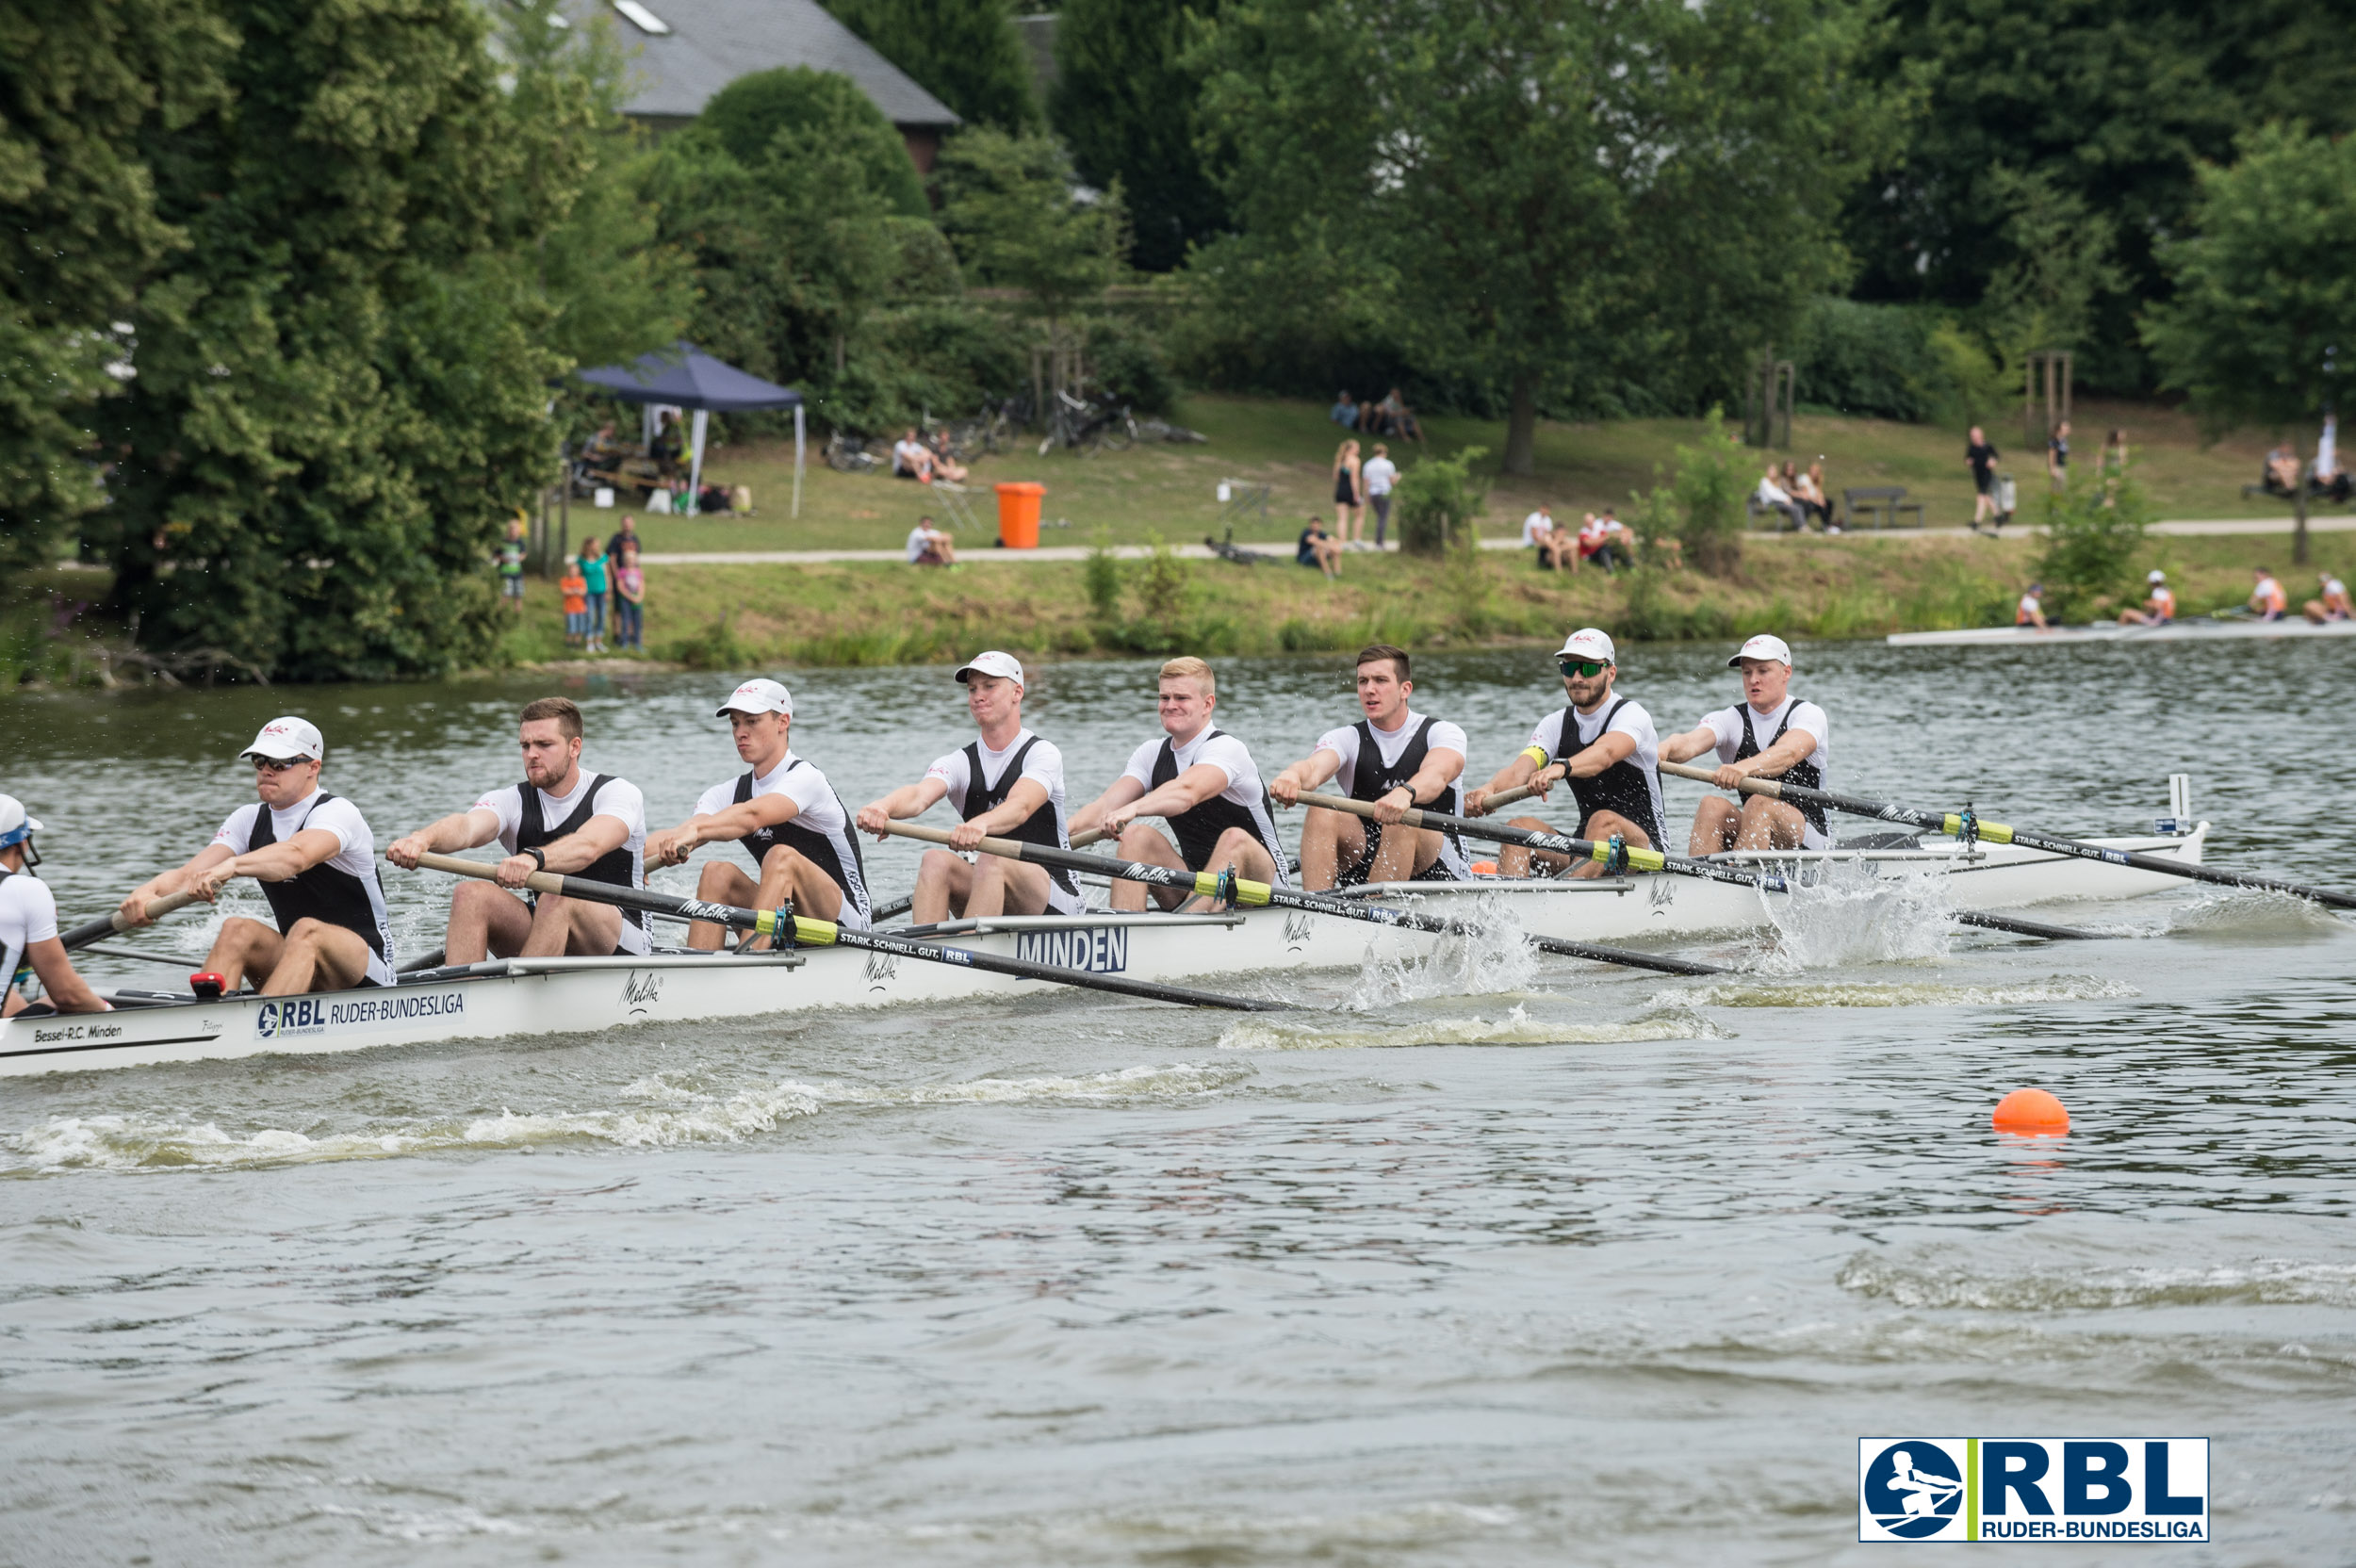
[712, 43]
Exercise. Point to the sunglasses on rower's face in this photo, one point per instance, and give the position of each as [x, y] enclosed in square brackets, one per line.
[276, 764]
[1588, 667]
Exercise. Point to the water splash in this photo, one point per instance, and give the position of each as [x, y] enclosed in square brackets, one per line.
[1516, 1028]
[1493, 958]
[2265, 1282]
[1905, 993]
[1849, 915]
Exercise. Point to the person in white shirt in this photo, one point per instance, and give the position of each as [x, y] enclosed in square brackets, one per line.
[2030, 610]
[1770, 734]
[1394, 757]
[2333, 606]
[561, 818]
[1202, 782]
[1381, 474]
[2159, 603]
[1773, 496]
[911, 458]
[30, 948]
[789, 819]
[1008, 784]
[1602, 746]
[929, 547]
[1538, 528]
[316, 860]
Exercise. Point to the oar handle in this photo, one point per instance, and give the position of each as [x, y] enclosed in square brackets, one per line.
[1010, 848]
[539, 881]
[1772, 788]
[111, 925]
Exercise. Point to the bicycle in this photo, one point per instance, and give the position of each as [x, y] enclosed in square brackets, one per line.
[848, 453]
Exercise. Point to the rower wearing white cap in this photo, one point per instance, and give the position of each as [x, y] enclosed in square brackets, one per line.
[1202, 782]
[1008, 784]
[2159, 604]
[1604, 746]
[1395, 759]
[561, 818]
[1770, 734]
[791, 823]
[316, 860]
[29, 946]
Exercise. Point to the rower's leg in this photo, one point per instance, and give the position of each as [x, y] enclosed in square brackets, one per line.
[1242, 853]
[1771, 824]
[1329, 841]
[485, 918]
[1716, 821]
[718, 883]
[316, 956]
[1515, 860]
[943, 883]
[1139, 841]
[1003, 886]
[580, 928]
[1405, 853]
[243, 946]
[787, 875]
[1602, 826]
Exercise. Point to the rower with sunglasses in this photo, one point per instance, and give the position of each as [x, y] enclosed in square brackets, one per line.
[1768, 734]
[1603, 746]
[316, 860]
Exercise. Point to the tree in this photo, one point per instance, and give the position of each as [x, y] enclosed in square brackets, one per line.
[965, 52]
[1009, 205]
[826, 113]
[2262, 328]
[1535, 191]
[1125, 102]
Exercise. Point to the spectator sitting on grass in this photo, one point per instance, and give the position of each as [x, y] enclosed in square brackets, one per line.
[1558, 550]
[1318, 548]
[1538, 531]
[911, 459]
[574, 588]
[711, 501]
[1392, 418]
[944, 465]
[1343, 413]
[1615, 546]
[1774, 498]
[2282, 475]
[929, 547]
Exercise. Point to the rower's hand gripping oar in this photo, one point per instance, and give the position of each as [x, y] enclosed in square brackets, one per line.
[1228, 889]
[800, 930]
[1968, 827]
[113, 925]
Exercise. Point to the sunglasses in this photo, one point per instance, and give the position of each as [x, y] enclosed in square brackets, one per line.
[1588, 667]
[276, 764]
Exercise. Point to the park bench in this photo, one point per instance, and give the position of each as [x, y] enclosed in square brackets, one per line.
[1872, 503]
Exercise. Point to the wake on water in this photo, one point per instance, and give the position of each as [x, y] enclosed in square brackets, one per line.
[1849, 915]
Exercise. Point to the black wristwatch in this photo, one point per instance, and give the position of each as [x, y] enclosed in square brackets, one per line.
[539, 857]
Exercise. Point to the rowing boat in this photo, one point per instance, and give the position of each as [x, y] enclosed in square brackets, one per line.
[2200, 630]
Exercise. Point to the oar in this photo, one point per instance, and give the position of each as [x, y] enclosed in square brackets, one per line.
[801, 930]
[99, 930]
[1258, 895]
[1653, 859]
[1968, 827]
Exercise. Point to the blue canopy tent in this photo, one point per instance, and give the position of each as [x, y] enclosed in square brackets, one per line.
[687, 377]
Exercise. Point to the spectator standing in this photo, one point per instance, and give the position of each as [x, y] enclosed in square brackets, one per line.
[1350, 496]
[1320, 550]
[630, 597]
[929, 547]
[511, 564]
[1381, 474]
[2057, 456]
[574, 589]
[1343, 413]
[1983, 460]
[594, 571]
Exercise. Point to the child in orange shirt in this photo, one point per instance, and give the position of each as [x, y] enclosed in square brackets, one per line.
[575, 587]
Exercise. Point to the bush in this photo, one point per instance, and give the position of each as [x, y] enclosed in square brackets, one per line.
[749, 115]
[1703, 509]
[2094, 540]
[1101, 577]
[1130, 365]
[1868, 359]
[1438, 499]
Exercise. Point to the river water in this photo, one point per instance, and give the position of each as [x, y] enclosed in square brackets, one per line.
[1500, 1260]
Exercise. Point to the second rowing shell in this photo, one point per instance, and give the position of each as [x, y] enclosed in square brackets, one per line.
[2202, 630]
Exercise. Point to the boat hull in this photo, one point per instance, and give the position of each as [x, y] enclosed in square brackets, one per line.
[2175, 631]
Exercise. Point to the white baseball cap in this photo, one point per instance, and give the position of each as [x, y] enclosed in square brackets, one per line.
[757, 697]
[1762, 647]
[1003, 665]
[2156, 577]
[14, 825]
[1588, 643]
[285, 740]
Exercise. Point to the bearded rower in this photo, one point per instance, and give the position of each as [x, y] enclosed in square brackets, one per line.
[1770, 734]
[791, 823]
[29, 945]
[561, 819]
[316, 859]
[1008, 784]
[1396, 759]
[1203, 783]
[1602, 746]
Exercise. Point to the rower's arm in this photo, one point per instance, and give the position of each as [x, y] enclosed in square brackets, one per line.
[1026, 798]
[1117, 794]
[1776, 760]
[164, 884]
[457, 831]
[1612, 747]
[1183, 793]
[1287, 787]
[1525, 767]
[67, 990]
[1692, 743]
[280, 862]
[909, 800]
[597, 838]
[1441, 768]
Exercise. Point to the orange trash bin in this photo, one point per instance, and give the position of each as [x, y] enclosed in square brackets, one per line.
[1017, 515]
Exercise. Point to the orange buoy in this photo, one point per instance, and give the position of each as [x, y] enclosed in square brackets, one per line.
[2033, 1112]
[1484, 868]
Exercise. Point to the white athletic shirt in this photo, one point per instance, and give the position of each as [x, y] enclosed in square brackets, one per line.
[1726, 725]
[919, 540]
[356, 855]
[28, 914]
[1044, 763]
[620, 800]
[2029, 605]
[1631, 720]
[1343, 742]
[816, 808]
[1535, 527]
[1223, 752]
[1379, 473]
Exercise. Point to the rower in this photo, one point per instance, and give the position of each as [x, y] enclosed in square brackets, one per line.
[1198, 779]
[1796, 749]
[316, 859]
[1008, 784]
[1604, 746]
[2159, 603]
[2333, 606]
[2030, 610]
[561, 818]
[29, 946]
[792, 825]
[1395, 758]
[2266, 599]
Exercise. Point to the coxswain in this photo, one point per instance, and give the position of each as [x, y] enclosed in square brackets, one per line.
[793, 827]
[1204, 785]
[2333, 606]
[1394, 757]
[29, 946]
[2266, 599]
[561, 818]
[1770, 734]
[316, 860]
[1603, 745]
[1007, 784]
[2159, 603]
[2030, 610]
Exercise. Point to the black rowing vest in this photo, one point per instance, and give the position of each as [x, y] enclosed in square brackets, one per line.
[614, 868]
[1805, 773]
[1041, 828]
[325, 893]
[810, 845]
[1622, 787]
[1198, 830]
[1371, 781]
[15, 963]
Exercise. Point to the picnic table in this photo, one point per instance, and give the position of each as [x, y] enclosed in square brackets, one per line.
[1874, 503]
